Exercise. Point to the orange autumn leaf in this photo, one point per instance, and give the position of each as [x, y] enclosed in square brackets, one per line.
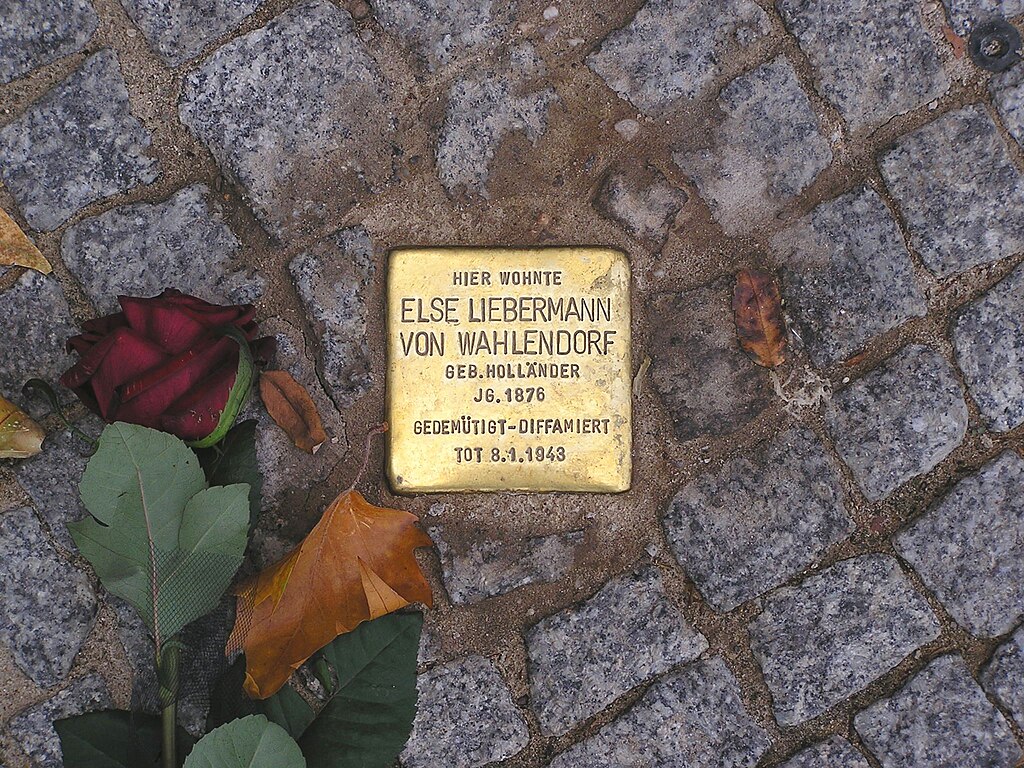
[760, 326]
[291, 407]
[16, 250]
[20, 436]
[357, 564]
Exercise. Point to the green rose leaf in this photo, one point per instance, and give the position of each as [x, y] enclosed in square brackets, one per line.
[157, 536]
[227, 702]
[233, 460]
[367, 722]
[252, 742]
[114, 739]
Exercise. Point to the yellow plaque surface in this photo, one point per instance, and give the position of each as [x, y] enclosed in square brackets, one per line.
[509, 370]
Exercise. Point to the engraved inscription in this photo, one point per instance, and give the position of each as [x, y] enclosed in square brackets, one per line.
[509, 370]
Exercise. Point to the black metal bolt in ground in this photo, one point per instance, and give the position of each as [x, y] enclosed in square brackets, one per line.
[995, 45]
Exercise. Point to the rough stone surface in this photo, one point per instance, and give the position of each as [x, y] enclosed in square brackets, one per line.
[768, 149]
[642, 200]
[837, 752]
[465, 718]
[964, 14]
[36, 324]
[47, 605]
[941, 719]
[707, 384]
[1003, 678]
[969, 549]
[443, 32]
[989, 340]
[483, 108]
[78, 144]
[138, 647]
[694, 718]
[759, 520]
[33, 728]
[489, 567]
[332, 280]
[899, 421]
[830, 636]
[874, 60]
[1007, 90]
[672, 50]
[36, 32]
[847, 275]
[51, 478]
[178, 31]
[295, 112]
[959, 191]
[138, 250]
[584, 658]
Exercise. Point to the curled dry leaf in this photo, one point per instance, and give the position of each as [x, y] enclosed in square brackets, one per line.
[291, 407]
[20, 436]
[760, 326]
[16, 250]
[357, 564]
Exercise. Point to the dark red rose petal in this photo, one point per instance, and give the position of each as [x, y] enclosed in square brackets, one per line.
[149, 396]
[197, 413]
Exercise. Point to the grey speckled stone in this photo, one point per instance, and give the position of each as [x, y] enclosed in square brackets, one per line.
[707, 384]
[296, 113]
[465, 718]
[1003, 678]
[36, 324]
[289, 473]
[964, 14]
[874, 60]
[77, 144]
[36, 32]
[332, 280]
[179, 29]
[941, 719]
[46, 604]
[138, 250]
[584, 658]
[642, 200]
[847, 275]
[672, 50]
[767, 150]
[899, 421]
[694, 718]
[483, 108]
[1007, 90]
[822, 641]
[969, 549]
[759, 520]
[959, 191]
[445, 31]
[989, 340]
[33, 730]
[51, 478]
[837, 752]
[489, 567]
[139, 649]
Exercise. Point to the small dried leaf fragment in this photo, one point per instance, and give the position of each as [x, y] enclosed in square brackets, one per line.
[958, 44]
[20, 436]
[355, 565]
[760, 326]
[16, 250]
[291, 407]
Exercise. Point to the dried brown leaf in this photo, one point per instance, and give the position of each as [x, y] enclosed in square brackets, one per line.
[958, 43]
[291, 407]
[20, 436]
[355, 565]
[16, 250]
[760, 326]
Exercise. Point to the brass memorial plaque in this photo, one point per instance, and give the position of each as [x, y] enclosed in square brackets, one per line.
[509, 370]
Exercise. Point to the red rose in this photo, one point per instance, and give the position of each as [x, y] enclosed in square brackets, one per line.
[167, 364]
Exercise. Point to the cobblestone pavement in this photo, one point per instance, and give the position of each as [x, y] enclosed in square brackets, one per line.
[819, 567]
